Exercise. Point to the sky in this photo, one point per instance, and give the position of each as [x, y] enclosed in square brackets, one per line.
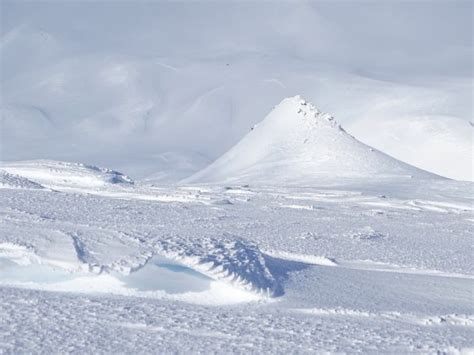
[149, 85]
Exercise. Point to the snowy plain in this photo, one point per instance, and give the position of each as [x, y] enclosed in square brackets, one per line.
[163, 190]
[349, 269]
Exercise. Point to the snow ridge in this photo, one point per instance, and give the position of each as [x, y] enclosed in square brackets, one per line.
[53, 173]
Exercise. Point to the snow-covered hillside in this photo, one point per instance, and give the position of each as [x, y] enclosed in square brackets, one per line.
[298, 144]
[433, 139]
[192, 78]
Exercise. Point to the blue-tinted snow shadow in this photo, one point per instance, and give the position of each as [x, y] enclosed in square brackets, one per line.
[161, 274]
[281, 270]
[158, 274]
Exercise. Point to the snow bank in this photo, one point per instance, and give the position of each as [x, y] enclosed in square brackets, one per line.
[64, 174]
[11, 181]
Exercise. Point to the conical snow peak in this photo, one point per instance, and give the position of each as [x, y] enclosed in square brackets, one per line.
[298, 144]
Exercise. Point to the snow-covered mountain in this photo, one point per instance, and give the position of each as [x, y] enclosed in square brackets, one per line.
[298, 144]
[183, 79]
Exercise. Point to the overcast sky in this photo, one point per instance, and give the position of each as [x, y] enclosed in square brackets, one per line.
[397, 37]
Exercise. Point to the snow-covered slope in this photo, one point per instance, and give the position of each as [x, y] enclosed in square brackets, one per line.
[433, 139]
[296, 143]
[52, 173]
[173, 166]
[16, 182]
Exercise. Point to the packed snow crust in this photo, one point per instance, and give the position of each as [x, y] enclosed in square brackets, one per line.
[298, 144]
[225, 267]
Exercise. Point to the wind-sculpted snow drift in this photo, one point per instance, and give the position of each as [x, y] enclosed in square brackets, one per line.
[14, 181]
[229, 260]
[64, 174]
[296, 143]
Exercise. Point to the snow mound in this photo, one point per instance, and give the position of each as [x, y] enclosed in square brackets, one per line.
[64, 174]
[296, 143]
[10, 181]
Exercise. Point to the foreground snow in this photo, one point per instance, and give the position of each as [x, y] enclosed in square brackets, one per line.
[378, 266]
